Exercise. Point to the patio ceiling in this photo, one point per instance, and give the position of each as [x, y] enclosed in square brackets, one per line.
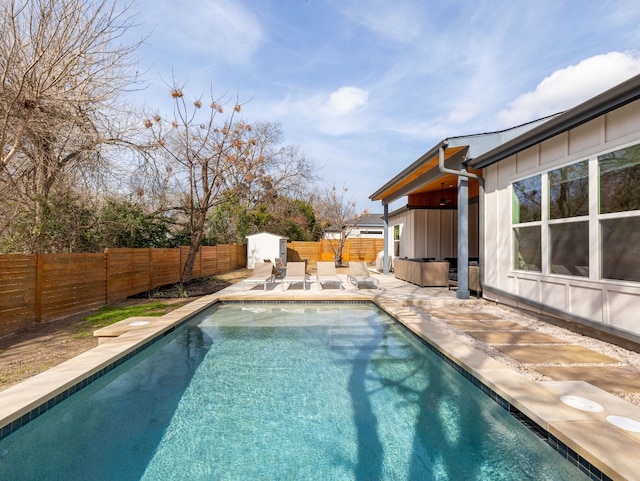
[423, 175]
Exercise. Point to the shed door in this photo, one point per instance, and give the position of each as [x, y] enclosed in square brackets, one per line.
[283, 250]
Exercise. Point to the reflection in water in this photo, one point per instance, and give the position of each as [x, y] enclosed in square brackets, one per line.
[342, 394]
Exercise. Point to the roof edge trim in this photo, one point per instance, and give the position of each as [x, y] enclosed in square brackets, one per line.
[397, 178]
[616, 97]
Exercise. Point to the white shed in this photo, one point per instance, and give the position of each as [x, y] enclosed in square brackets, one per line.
[263, 246]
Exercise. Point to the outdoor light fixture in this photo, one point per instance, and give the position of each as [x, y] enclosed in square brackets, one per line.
[442, 202]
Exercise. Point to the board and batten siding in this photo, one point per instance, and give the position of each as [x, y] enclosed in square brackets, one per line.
[433, 232]
[600, 301]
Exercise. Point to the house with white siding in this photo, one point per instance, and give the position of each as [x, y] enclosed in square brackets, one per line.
[550, 209]
[369, 226]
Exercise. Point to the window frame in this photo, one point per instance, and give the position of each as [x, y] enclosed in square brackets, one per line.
[531, 223]
[594, 219]
[599, 217]
[396, 240]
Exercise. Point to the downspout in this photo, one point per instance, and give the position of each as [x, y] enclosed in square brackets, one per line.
[463, 221]
[446, 170]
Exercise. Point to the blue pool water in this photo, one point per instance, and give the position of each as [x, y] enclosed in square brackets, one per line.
[281, 392]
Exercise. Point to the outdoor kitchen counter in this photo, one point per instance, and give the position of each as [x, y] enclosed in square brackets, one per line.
[422, 273]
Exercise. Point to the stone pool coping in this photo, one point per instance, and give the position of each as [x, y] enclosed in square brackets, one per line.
[611, 450]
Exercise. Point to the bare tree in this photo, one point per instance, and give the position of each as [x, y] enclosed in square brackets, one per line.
[206, 158]
[63, 66]
[286, 171]
[212, 158]
[339, 217]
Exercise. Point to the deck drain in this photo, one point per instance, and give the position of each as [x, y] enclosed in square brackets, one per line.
[627, 424]
[582, 403]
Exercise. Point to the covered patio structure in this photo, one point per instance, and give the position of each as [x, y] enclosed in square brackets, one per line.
[441, 219]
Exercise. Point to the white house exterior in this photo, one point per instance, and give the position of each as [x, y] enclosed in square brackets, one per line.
[265, 246]
[370, 226]
[551, 208]
[573, 248]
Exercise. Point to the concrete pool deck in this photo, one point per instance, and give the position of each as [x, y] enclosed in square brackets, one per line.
[581, 377]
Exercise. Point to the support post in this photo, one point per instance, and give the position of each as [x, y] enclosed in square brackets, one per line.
[463, 237]
[385, 258]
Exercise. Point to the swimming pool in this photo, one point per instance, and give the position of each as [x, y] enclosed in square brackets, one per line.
[281, 391]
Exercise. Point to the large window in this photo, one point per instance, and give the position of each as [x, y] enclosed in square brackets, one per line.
[528, 253]
[621, 248]
[396, 240]
[619, 192]
[569, 191]
[526, 200]
[581, 219]
[569, 199]
[569, 248]
[620, 180]
[526, 213]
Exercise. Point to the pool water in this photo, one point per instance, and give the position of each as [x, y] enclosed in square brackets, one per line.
[282, 392]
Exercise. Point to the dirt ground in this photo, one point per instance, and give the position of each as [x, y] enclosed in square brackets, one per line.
[31, 351]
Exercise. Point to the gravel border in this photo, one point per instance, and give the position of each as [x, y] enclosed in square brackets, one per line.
[625, 357]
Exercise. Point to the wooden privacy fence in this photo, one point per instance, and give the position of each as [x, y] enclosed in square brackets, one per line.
[355, 249]
[45, 287]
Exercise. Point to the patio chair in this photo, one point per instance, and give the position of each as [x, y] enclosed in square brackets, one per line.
[326, 272]
[295, 273]
[262, 274]
[359, 274]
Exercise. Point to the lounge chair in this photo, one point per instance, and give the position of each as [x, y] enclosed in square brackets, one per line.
[295, 273]
[359, 274]
[262, 273]
[326, 272]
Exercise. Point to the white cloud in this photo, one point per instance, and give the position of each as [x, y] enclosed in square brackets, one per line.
[621, 12]
[462, 113]
[398, 20]
[336, 113]
[345, 101]
[222, 28]
[570, 86]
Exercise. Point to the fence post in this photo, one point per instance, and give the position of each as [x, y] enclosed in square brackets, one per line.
[107, 294]
[106, 276]
[39, 276]
[180, 270]
[151, 283]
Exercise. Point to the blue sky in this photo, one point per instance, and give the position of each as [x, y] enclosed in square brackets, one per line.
[365, 87]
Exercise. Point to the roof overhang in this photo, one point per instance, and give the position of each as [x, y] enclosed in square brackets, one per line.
[423, 175]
